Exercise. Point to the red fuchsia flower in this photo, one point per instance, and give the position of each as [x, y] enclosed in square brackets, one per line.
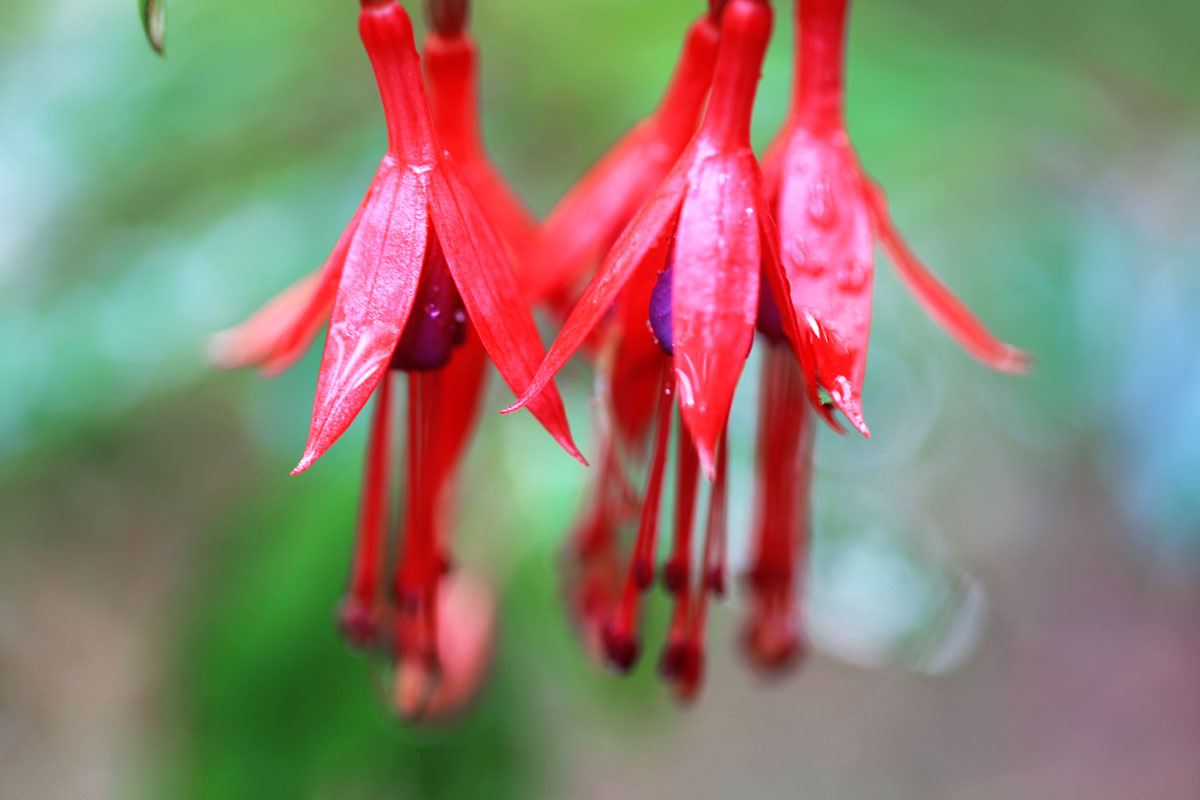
[830, 213]
[419, 282]
[689, 265]
[581, 228]
[709, 215]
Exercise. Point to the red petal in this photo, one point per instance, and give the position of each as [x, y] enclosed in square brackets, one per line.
[587, 219]
[489, 291]
[939, 302]
[828, 254]
[644, 240]
[715, 293]
[379, 282]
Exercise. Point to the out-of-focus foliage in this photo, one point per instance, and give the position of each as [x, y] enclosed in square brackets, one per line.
[1043, 158]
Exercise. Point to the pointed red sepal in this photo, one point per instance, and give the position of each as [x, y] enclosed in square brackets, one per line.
[715, 292]
[492, 298]
[643, 244]
[277, 335]
[589, 217]
[375, 296]
[451, 66]
[828, 255]
[950, 313]
[253, 341]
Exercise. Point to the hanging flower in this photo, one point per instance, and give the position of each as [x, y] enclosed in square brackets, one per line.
[419, 282]
[830, 213]
[687, 267]
[708, 214]
[581, 228]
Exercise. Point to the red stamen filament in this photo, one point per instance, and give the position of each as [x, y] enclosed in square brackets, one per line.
[772, 634]
[419, 566]
[360, 612]
[621, 633]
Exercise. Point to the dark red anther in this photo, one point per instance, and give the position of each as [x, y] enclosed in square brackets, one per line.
[360, 613]
[447, 17]
[438, 321]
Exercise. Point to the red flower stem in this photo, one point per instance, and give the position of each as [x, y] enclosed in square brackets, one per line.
[359, 613]
[819, 84]
[454, 92]
[678, 569]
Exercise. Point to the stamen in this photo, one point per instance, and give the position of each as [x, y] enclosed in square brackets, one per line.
[772, 632]
[419, 567]
[621, 633]
[683, 660]
[678, 569]
[360, 612]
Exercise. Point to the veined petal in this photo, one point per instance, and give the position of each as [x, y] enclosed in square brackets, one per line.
[715, 292]
[489, 291]
[643, 240]
[950, 313]
[374, 298]
[828, 254]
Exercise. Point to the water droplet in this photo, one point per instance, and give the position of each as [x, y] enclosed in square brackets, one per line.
[853, 275]
[822, 209]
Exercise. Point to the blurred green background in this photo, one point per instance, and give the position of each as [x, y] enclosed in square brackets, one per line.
[1003, 596]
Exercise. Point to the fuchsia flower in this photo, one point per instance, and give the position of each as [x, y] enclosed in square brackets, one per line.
[830, 213]
[709, 214]
[581, 228]
[420, 282]
[689, 265]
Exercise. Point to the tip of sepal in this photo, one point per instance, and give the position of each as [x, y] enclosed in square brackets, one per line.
[307, 460]
[221, 350]
[849, 403]
[1012, 360]
[153, 14]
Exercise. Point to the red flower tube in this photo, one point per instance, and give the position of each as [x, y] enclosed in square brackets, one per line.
[830, 213]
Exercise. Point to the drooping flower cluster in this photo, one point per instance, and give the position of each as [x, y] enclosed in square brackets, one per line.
[700, 254]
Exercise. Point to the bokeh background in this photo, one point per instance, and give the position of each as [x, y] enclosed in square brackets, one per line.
[1003, 596]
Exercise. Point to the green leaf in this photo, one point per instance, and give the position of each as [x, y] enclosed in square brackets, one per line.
[154, 23]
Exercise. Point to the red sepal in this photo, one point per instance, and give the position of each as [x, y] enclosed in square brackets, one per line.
[592, 214]
[491, 296]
